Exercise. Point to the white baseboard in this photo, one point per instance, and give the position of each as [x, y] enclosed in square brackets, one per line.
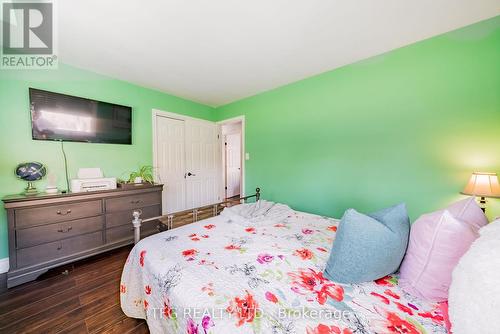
[4, 265]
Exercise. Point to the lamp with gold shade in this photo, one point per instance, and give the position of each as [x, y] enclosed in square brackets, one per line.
[482, 185]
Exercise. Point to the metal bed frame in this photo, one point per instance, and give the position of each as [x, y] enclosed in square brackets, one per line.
[167, 222]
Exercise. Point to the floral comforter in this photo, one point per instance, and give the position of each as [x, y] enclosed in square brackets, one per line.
[231, 274]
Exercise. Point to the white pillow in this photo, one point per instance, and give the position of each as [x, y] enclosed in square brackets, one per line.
[474, 296]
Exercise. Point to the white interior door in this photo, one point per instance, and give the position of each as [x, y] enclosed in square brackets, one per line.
[233, 164]
[202, 163]
[170, 160]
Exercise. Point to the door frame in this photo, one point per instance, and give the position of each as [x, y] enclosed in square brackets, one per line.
[161, 113]
[237, 119]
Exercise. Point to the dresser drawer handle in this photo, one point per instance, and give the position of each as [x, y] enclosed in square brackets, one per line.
[59, 212]
[61, 230]
[59, 247]
[135, 201]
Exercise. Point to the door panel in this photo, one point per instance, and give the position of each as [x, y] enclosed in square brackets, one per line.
[170, 145]
[202, 161]
[233, 164]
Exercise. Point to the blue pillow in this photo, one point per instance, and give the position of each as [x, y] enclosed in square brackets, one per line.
[368, 247]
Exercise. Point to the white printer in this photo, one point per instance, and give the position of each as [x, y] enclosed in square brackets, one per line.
[92, 179]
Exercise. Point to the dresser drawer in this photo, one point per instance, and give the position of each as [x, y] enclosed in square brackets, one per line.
[58, 249]
[57, 213]
[120, 233]
[125, 217]
[52, 232]
[126, 232]
[132, 202]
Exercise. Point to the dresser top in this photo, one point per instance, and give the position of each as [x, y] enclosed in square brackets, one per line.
[16, 198]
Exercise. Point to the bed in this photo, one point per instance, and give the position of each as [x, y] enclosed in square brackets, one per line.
[257, 268]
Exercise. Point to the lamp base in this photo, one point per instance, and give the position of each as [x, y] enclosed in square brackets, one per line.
[482, 203]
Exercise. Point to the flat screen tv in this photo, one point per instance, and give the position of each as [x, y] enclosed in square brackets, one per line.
[62, 117]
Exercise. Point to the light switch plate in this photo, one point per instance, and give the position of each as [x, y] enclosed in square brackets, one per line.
[247, 156]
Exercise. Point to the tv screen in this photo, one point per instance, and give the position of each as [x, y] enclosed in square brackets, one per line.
[57, 116]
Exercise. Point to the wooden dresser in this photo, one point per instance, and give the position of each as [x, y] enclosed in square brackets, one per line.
[46, 231]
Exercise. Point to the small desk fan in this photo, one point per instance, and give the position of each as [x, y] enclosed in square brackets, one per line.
[30, 172]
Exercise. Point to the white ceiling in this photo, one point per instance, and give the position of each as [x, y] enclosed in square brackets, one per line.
[219, 51]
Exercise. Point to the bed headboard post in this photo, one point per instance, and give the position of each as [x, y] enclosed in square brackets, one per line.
[257, 194]
[137, 225]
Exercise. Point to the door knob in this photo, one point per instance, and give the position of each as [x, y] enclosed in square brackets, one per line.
[191, 174]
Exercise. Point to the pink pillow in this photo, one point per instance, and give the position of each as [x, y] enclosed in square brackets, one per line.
[437, 241]
[468, 211]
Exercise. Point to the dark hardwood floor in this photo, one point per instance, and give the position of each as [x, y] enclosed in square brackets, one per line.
[85, 300]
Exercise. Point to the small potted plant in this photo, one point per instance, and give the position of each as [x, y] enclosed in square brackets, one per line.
[144, 175]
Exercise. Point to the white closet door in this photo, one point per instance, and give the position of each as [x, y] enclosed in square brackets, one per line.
[170, 146]
[202, 163]
[233, 164]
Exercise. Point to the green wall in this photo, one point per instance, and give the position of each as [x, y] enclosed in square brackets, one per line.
[407, 126]
[16, 144]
